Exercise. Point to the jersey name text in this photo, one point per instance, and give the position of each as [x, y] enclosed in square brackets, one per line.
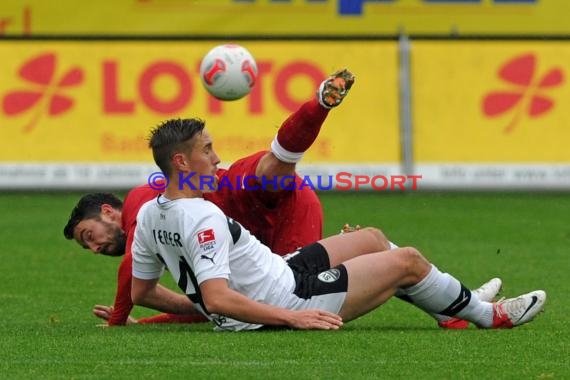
[167, 238]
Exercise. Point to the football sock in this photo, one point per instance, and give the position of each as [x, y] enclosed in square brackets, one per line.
[299, 132]
[173, 318]
[441, 293]
[401, 294]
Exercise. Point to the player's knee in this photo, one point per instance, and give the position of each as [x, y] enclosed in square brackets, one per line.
[137, 297]
[378, 237]
[414, 264]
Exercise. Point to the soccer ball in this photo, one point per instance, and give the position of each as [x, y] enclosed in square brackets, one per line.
[228, 72]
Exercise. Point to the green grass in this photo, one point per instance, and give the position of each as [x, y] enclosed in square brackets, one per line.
[49, 286]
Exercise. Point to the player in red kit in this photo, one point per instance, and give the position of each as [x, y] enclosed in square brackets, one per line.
[283, 219]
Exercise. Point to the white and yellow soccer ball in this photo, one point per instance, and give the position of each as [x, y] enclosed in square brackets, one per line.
[228, 72]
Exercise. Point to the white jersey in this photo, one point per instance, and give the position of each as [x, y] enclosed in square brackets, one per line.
[196, 241]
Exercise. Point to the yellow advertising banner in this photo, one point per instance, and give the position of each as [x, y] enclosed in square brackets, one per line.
[97, 101]
[481, 102]
[277, 17]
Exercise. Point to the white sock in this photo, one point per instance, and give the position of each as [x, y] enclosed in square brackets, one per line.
[283, 154]
[401, 293]
[441, 293]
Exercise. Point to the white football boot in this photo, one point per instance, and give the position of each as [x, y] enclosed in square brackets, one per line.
[512, 312]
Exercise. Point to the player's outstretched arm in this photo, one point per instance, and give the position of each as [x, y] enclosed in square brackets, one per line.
[123, 304]
[104, 312]
[149, 294]
[220, 299]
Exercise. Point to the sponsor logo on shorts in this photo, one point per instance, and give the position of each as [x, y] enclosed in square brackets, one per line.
[329, 276]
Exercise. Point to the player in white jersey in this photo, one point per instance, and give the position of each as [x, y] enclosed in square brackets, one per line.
[197, 242]
[239, 284]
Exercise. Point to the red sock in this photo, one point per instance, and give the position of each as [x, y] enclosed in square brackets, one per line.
[300, 130]
[174, 318]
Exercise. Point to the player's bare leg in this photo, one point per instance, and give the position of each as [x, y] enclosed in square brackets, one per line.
[486, 292]
[341, 248]
[375, 277]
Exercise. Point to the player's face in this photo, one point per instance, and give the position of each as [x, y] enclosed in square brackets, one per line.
[204, 160]
[101, 236]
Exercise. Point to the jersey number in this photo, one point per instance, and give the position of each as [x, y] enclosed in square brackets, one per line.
[185, 274]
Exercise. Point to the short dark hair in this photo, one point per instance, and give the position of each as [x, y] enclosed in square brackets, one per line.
[89, 207]
[170, 137]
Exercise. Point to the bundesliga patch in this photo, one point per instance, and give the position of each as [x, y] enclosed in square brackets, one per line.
[207, 239]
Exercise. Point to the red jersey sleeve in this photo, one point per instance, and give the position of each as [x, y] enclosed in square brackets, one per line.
[123, 303]
[131, 206]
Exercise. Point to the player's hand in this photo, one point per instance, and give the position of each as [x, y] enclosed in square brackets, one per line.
[315, 320]
[334, 89]
[104, 312]
[348, 228]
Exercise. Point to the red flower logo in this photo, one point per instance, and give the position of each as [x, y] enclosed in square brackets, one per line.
[39, 72]
[520, 72]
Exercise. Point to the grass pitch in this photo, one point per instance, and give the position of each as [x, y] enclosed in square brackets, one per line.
[50, 284]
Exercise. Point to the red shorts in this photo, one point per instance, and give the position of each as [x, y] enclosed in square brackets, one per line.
[283, 220]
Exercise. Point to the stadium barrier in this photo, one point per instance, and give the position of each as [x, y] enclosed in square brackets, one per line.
[461, 113]
[469, 98]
